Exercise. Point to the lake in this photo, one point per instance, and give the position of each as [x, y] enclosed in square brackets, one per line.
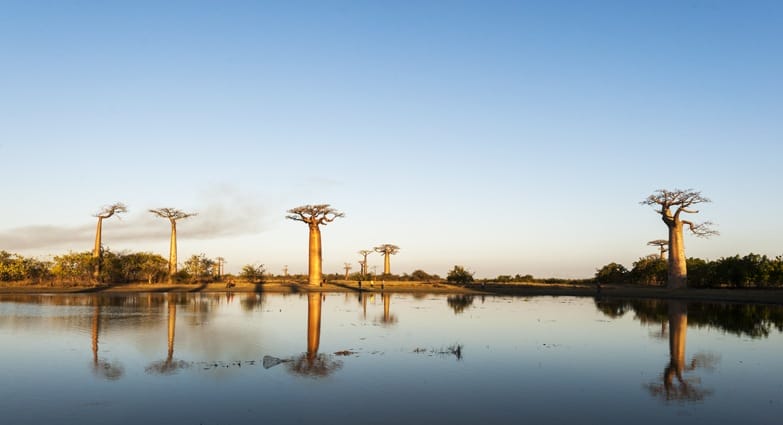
[377, 358]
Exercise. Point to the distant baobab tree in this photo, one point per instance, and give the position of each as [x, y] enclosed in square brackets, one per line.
[364, 253]
[347, 267]
[173, 215]
[387, 250]
[219, 269]
[106, 212]
[680, 201]
[314, 216]
[661, 244]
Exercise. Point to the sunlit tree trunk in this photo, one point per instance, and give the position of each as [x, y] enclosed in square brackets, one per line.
[314, 269]
[386, 264]
[313, 324]
[173, 250]
[678, 273]
[96, 320]
[96, 251]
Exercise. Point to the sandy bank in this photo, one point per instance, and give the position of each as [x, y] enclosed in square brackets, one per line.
[767, 296]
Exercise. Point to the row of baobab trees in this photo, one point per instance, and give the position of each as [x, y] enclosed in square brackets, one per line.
[312, 215]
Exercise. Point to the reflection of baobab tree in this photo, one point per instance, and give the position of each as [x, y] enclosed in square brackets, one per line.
[169, 365]
[387, 318]
[459, 303]
[312, 363]
[106, 212]
[387, 250]
[314, 216]
[675, 385]
[173, 215]
[100, 367]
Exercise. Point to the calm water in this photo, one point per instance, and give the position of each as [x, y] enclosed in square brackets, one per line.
[377, 359]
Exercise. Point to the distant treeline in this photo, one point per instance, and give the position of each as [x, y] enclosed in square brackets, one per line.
[749, 271]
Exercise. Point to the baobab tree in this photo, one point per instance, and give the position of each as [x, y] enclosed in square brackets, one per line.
[106, 212]
[387, 250]
[173, 215]
[314, 216]
[661, 244]
[364, 253]
[670, 205]
[347, 267]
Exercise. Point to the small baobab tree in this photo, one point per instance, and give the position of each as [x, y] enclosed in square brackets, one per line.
[347, 267]
[662, 246]
[387, 250]
[364, 253]
[314, 216]
[106, 212]
[173, 215]
[671, 205]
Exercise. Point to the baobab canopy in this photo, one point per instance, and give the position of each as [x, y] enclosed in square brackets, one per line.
[314, 215]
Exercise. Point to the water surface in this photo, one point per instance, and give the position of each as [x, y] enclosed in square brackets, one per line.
[385, 359]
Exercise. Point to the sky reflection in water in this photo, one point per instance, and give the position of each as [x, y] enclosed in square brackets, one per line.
[385, 358]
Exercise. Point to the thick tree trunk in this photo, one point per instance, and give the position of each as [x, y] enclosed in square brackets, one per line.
[173, 250]
[678, 273]
[96, 251]
[314, 266]
[313, 324]
[386, 263]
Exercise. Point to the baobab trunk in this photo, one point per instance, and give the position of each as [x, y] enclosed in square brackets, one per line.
[96, 251]
[314, 269]
[678, 273]
[386, 264]
[173, 250]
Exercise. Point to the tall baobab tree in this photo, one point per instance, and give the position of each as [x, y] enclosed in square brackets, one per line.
[661, 244]
[364, 253]
[219, 269]
[106, 212]
[670, 205]
[387, 250]
[314, 216]
[173, 215]
[347, 267]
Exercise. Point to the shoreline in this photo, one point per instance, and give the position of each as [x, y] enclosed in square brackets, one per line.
[758, 296]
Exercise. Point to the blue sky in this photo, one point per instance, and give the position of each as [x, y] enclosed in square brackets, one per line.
[509, 137]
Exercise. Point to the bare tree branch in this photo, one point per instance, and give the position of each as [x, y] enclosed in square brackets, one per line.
[172, 214]
[314, 214]
[110, 210]
[701, 230]
[387, 249]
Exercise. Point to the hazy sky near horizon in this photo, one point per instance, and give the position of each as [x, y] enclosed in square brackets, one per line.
[509, 137]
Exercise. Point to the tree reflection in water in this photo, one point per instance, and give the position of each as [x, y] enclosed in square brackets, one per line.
[387, 319]
[684, 388]
[459, 303]
[169, 365]
[100, 367]
[310, 364]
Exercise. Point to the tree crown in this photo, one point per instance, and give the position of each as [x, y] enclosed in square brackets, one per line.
[681, 201]
[110, 210]
[314, 214]
[387, 249]
[172, 214]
